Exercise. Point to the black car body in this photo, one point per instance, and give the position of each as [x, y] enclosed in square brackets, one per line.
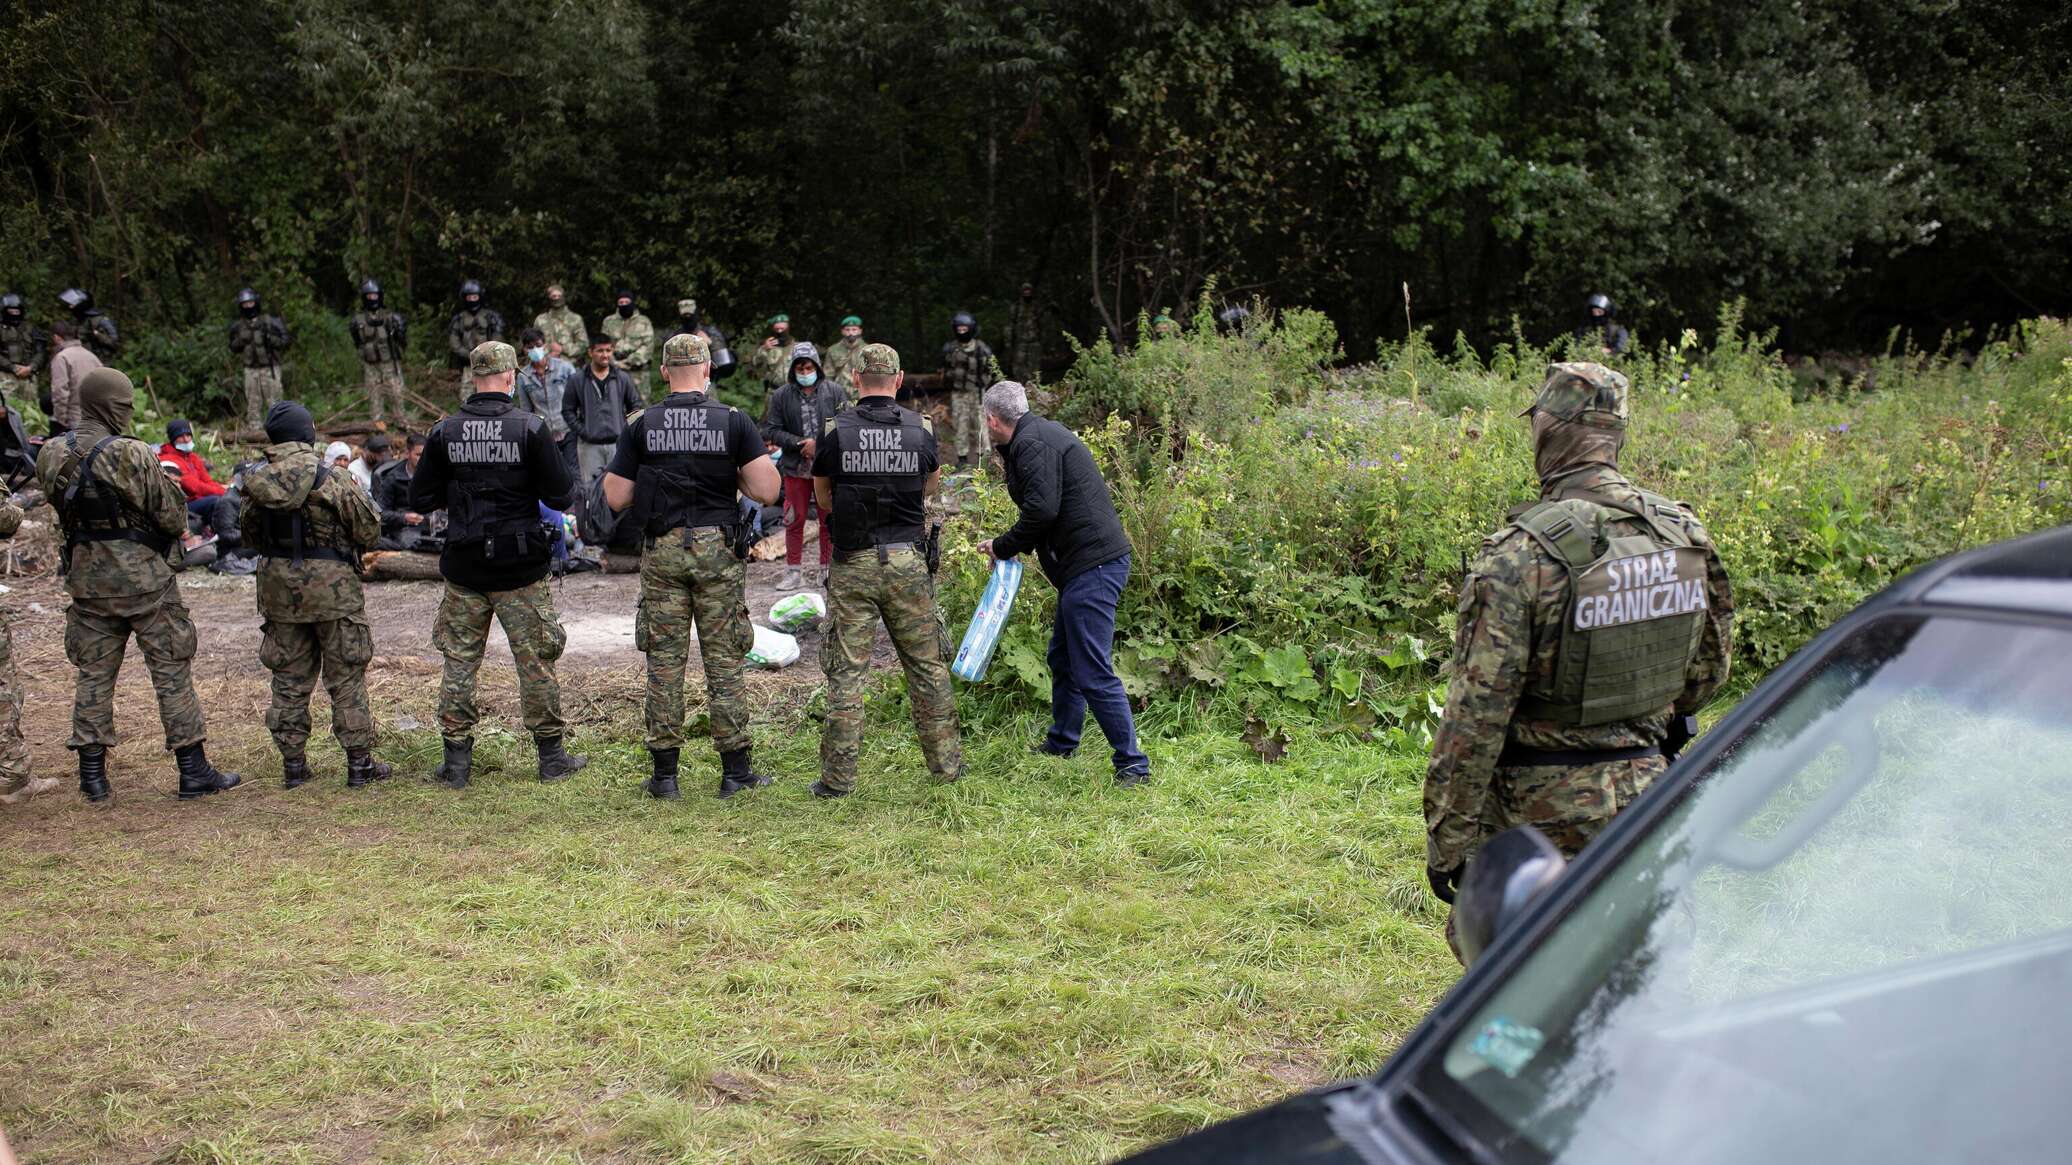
[1838, 929]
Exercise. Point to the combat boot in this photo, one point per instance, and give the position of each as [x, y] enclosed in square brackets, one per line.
[294, 770]
[453, 771]
[663, 784]
[556, 762]
[789, 580]
[735, 775]
[93, 772]
[361, 769]
[199, 778]
[826, 791]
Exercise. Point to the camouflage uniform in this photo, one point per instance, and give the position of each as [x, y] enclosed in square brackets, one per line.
[967, 370]
[1025, 341]
[1515, 609]
[633, 344]
[258, 343]
[469, 329]
[313, 612]
[536, 638]
[892, 586]
[564, 327]
[843, 357]
[771, 363]
[120, 589]
[680, 585]
[15, 771]
[380, 337]
[22, 345]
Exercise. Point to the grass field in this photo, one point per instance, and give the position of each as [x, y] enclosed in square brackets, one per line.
[1028, 966]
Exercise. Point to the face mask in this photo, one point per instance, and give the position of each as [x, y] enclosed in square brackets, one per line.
[184, 444]
[625, 311]
[250, 309]
[536, 355]
[471, 304]
[554, 301]
[808, 379]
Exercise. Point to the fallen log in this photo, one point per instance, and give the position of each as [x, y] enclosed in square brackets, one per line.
[399, 566]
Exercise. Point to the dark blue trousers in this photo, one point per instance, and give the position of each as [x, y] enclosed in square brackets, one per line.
[1082, 669]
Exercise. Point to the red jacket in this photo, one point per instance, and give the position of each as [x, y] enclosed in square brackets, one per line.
[195, 481]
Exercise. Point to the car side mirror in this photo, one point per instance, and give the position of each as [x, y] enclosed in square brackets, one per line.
[1503, 879]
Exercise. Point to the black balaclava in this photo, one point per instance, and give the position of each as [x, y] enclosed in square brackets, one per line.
[288, 421]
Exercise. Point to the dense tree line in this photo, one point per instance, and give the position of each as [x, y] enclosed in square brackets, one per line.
[1845, 165]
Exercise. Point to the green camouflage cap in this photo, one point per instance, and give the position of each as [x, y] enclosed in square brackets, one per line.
[491, 357]
[780, 318]
[852, 321]
[686, 307]
[686, 348]
[1589, 394]
[879, 359]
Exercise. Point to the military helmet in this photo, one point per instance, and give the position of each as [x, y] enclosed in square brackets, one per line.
[470, 287]
[10, 302]
[370, 288]
[1599, 301]
[75, 299]
[964, 319]
[245, 296]
[1582, 393]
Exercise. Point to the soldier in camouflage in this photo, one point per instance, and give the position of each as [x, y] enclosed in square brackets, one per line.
[122, 521]
[676, 469]
[18, 782]
[257, 341]
[23, 346]
[967, 370]
[311, 524]
[771, 363]
[874, 465]
[96, 327]
[633, 339]
[1025, 336]
[491, 466]
[566, 336]
[380, 335]
[1591, 630]
[844, 355]
[475, 324]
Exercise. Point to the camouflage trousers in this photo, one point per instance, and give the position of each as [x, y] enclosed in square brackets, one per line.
[262, 392]
[900, 593]
[536, 637]
[384, 385]
[298, 654]
[97, 634]
[968, 425]
[1570, 805]
[1027, 362]
[679, 585]
[14, 751]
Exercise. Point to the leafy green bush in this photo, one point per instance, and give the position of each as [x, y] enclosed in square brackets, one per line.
[1300, 534]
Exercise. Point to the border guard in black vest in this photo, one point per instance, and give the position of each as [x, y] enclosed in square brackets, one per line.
[491, 466]
[871, 475]
[677, 468]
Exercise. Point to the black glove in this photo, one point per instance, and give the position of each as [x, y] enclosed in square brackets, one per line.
[1444, 883]
[1681, 730]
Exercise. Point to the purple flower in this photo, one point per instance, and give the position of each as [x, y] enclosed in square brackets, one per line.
[1398, 455]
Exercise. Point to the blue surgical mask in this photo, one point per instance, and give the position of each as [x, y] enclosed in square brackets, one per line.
[536, 355]
[808, 379]
[184, 444]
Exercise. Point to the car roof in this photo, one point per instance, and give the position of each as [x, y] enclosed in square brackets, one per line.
[2032, 575]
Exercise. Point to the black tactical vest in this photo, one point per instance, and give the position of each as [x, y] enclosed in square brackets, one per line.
[881, 482]
[288, 533]
[492, 507]
[687, 471]
[91, 511]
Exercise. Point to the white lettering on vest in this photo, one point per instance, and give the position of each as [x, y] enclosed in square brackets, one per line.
[483, 443]
[1639, 589]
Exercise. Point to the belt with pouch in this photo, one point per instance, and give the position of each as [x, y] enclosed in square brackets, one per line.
[1518, 756]
[885, 550]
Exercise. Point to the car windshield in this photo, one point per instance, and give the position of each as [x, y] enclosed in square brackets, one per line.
[1852, 941]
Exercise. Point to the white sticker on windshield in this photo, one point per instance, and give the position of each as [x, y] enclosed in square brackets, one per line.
[1507, 1045]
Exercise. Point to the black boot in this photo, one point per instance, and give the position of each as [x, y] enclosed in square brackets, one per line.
[826, 791]
[198, 777]
[663, 784]
[93, 772]
[453, 771]
[735, 775]
[556, 762]
[362, 769]
[294, 770]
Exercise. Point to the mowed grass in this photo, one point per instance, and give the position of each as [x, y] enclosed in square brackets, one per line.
[1027, 966]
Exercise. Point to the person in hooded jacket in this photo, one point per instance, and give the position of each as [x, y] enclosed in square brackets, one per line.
[201, 489]
[798, 414]
[310, 524]
[122, 519]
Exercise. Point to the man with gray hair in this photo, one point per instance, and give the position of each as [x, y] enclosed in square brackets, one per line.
[1069, 520]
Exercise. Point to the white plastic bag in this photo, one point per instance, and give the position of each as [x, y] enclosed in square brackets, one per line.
[794, 613]
[988, 621]
[773, 649]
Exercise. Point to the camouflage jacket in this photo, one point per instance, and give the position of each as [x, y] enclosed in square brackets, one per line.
[633, 340]
[379, 335]
[564, 327]
[260, 341]
[967, 367]
[117, 569]
[22, 345]
[840, 358]
[337, 514]
[1025, 329]
[10, 519]
[470, 328]
[1513, 605]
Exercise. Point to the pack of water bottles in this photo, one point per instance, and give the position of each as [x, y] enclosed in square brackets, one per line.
[988, 621]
